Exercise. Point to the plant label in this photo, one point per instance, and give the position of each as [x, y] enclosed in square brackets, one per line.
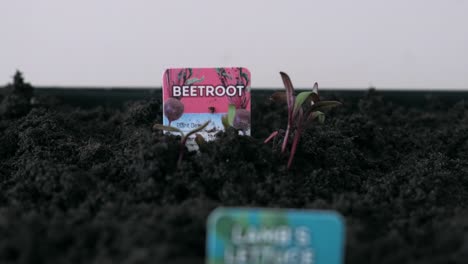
[193, 96]
[273, 236]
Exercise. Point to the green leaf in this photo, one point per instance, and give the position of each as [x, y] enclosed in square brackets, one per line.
[320, 116]
[194, 80]
[167, 128]
[300, 99]
[325, 105]
[225, 122]
[231, 114]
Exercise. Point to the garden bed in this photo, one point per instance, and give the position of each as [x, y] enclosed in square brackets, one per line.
[85, 179]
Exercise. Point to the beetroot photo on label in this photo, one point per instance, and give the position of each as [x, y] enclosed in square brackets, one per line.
[195, 96]
[173, 109]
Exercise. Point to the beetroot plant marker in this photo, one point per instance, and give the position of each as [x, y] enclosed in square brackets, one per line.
[193, 96]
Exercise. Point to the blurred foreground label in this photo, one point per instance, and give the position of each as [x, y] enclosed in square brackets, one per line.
[273, 236]
[193, 96]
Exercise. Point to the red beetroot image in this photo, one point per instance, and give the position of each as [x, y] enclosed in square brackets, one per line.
[173, 109]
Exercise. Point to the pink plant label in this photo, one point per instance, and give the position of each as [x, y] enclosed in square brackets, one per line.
[193, 96]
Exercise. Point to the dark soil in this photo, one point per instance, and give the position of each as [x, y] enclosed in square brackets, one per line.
[99, 186]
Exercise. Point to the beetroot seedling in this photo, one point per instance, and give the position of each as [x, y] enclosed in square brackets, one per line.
[302, 109]
[183, 137]
[236, 118]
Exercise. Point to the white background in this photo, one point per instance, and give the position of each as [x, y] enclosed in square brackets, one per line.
[341, 44]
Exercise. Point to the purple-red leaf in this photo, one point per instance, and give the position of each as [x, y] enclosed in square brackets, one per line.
[315, 93]
[289, 93]
[290, 100]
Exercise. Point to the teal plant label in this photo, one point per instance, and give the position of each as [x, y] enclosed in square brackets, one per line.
[274, 236]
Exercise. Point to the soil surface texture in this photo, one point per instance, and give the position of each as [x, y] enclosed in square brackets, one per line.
[98, 185]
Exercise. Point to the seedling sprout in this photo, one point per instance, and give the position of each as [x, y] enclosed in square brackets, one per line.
[236, 118]
[302, 109]
[183, 136]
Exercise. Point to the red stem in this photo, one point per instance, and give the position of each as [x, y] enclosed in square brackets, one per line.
[181, 151]
[285, 141]
[274, 134]
[297, 136]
